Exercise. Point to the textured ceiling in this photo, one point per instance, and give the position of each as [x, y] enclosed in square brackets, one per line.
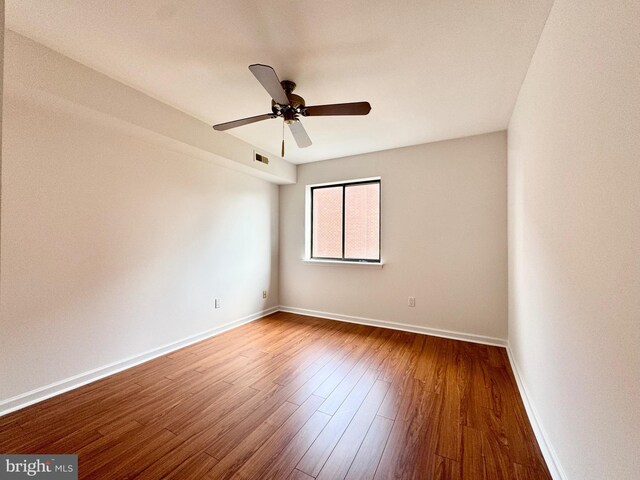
[431, 69]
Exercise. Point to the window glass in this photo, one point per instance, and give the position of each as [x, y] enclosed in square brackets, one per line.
[362, 221]
[327, 222]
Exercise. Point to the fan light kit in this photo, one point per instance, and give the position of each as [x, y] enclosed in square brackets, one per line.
[287, 105]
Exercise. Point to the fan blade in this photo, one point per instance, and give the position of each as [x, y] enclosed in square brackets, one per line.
[270, 81]
[244, 121]
[355, 108]
[300, 134]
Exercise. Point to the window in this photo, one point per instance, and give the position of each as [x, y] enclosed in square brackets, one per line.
[345, 221]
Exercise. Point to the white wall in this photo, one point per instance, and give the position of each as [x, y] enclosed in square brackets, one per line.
[444, 238]
[1, 102]
[112, 243]
[574, 237]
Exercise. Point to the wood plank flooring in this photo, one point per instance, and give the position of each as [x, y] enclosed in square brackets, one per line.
[294, 397]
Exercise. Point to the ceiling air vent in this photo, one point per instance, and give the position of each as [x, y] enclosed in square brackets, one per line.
[261, 158]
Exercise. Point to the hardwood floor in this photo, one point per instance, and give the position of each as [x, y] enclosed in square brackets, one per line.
[294, 397]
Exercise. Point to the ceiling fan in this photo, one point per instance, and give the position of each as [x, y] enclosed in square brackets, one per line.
[289, 106]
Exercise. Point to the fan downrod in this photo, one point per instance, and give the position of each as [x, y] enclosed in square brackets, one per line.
[288, 85]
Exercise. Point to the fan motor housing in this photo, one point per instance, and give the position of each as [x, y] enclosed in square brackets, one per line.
[295, 101]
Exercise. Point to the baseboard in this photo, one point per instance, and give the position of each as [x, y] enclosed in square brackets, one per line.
[467, 337]
[39, 394]
[550, 456]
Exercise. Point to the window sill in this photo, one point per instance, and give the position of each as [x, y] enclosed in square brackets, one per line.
[344, 263]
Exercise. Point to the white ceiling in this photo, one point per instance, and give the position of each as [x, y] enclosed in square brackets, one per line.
[431, 69]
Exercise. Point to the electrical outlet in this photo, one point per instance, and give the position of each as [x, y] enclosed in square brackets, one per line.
[216, 303]
[264, 294]
[412, 301]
